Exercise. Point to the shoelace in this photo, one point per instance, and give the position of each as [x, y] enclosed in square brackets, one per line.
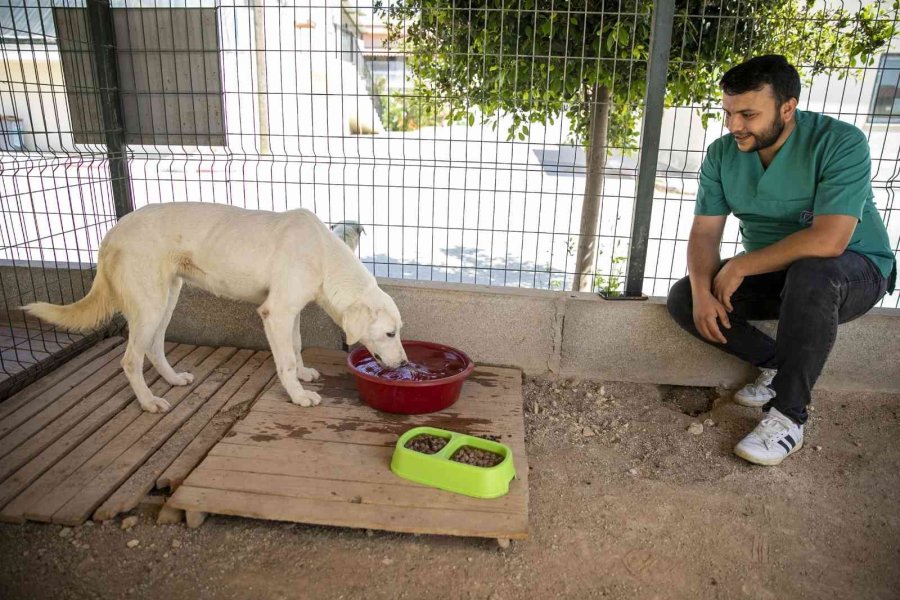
[769, 427]
[762, 382]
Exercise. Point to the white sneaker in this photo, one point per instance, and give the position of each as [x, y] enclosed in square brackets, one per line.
[758, 393]
[774, 439]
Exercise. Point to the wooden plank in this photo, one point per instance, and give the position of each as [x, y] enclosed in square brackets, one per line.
[340, 467]
[236, 407]
[80, 465]
[263, 427]
[325, 460]
[344, 391]
[45, 340]
[69, 375]
[340, 491]
[472, 402]
[113, 380]
[70, 437]
[130, 493]
[101, 370]
[51, 468]
[23, 355]
[8, 368]
[351, 514]
[30, 438]
[141, 441]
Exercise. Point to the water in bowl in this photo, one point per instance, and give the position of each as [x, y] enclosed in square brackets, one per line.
[425, 364]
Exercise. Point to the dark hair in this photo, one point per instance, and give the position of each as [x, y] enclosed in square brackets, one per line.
[752, 75]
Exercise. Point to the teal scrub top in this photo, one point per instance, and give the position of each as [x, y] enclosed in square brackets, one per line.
[823, 168]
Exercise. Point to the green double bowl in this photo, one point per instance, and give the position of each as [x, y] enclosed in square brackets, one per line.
[438, 470]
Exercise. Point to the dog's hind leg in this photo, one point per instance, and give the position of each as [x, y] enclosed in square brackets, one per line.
[304, 373]
[157, 352]
[141, 330]
[278, 323]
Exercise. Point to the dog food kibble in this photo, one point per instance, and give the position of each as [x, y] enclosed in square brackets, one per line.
[476, 457]
[427, 444]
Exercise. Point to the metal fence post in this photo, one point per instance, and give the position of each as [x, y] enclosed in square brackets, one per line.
[660, 43]
[103, 42]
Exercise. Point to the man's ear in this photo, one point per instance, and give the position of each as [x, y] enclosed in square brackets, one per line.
[788, 110]
[355, 320]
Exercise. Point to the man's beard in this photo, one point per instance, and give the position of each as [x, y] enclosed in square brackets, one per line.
[769, 136]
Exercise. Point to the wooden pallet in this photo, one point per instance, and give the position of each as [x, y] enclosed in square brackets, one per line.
[23, 346]
[76, 444]
[330, 464]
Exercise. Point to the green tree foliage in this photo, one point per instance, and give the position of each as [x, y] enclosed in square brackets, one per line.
[535, 60]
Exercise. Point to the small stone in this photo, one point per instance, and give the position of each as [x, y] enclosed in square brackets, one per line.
[133, 543]
[66, 532]
[818, 448]
[176, 543]
[811, 408]
[165, 555]
[602, 390]
[369, 533]
[588, 432]
[709, 423]
[129, 522]
[387, 561]
[695, 429]
[633, 471]
[857, 443]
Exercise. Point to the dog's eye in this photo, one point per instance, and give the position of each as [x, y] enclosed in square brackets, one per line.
[392, 334]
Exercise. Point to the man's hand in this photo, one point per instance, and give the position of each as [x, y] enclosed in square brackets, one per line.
[707, 313]
[727, 280]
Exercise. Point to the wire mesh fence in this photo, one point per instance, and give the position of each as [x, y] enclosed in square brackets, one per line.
[459, 134]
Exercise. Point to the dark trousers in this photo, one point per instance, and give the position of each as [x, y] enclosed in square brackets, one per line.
[809, 299]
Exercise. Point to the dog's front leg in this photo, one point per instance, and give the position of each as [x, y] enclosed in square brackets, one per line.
[303, 372]
[278, 325]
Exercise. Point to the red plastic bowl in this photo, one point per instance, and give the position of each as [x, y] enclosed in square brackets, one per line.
[410, 397]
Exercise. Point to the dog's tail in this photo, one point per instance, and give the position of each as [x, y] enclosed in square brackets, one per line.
[90, 312]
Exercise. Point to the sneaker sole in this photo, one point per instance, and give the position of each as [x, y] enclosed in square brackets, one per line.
[766, 462]
[751, 402]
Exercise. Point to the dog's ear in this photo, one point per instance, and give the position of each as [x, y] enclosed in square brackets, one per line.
[355, 320]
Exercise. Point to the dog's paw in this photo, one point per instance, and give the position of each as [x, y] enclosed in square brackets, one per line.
[307, 374]
[307, 398]
[155, 405]
[182, 379]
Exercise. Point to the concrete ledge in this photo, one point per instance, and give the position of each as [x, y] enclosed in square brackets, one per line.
[541, 332]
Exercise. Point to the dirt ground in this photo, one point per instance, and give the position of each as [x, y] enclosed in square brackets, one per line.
[625, 503]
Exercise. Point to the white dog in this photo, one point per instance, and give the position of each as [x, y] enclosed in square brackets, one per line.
[280, 261]
[349, 231]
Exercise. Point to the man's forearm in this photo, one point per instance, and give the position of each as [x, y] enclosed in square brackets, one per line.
[807, 243]
[703, 262]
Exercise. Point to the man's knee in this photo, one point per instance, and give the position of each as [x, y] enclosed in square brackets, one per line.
[680, 302]
[813, 275]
